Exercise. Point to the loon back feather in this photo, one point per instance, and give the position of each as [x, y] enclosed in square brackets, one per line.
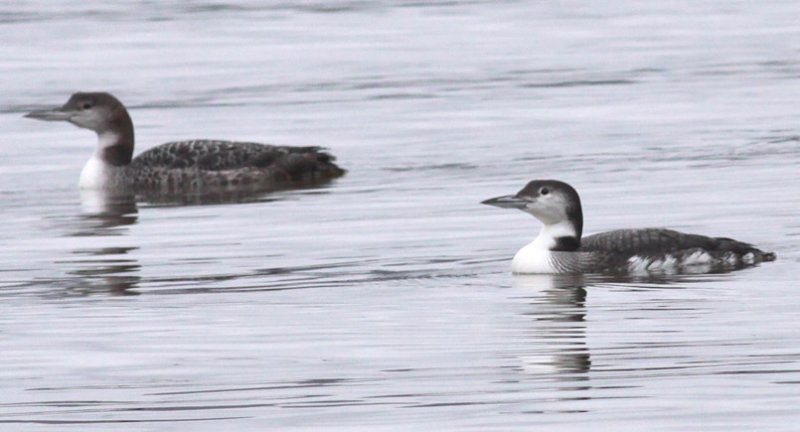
[645, 241]
[218, 155]
[657, 249]
[209, 164]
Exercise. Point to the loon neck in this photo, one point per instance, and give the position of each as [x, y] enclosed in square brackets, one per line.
[560, 236]
[115, 138]
[115, 147]
[109, 161]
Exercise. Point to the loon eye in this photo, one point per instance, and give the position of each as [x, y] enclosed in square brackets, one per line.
[86, 105]
[544, 191]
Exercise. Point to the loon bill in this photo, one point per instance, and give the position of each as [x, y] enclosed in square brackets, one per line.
[559, 248]
[182, 166]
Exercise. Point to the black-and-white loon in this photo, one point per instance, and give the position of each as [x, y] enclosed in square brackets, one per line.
[559, 248]
[183, 166]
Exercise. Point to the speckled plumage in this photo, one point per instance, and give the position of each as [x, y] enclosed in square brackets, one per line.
[195, 166]
[211, 164]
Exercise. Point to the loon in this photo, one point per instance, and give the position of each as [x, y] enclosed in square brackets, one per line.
[559, 248]
[182, 166]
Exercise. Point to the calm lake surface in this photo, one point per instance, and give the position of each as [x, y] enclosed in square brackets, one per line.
[384, 300]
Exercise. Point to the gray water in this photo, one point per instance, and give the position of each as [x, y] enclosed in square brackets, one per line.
[384, 301]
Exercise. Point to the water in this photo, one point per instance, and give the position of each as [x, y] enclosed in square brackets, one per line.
[384, 301]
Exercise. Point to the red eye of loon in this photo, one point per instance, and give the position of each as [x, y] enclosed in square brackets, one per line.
[544, 191]
[86, 105]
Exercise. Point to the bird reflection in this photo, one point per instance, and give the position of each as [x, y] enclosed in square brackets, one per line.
[108, 268]
[112, 273]
[559, 312]
[102, 213]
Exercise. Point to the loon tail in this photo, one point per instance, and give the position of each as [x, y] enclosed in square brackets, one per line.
[311, 164]
[768, 256]
[724, 244]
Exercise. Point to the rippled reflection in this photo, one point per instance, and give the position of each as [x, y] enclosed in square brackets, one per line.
[103, 212]
[228, 195]
[104, 270]
[559, 311]
[108, 269]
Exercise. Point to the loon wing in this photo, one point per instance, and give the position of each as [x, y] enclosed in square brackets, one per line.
[659, 241]
[204, 165]
[615, 248]
[213, 155]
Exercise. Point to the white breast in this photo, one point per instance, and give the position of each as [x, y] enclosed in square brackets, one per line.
[532, 259]
[95, 174]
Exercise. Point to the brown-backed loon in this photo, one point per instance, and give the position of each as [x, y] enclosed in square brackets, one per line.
[182, 166]
[559, 248]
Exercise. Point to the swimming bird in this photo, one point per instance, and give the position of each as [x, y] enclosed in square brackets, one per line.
[183, 166]
[560, 248]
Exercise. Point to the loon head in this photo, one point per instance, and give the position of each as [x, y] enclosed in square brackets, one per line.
[556, 204]
[102, 113]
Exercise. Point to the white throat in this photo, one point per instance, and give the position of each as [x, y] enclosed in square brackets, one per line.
[536, 256]
[97, 172]
[106, 140]
[549, 233]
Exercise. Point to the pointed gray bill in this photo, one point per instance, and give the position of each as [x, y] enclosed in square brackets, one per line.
[507, 201]
[55, 114]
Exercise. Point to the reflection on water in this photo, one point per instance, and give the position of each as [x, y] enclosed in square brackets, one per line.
[106, 269]
[103, 212]
[102, 270]
[224, 196]
[559, 311]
